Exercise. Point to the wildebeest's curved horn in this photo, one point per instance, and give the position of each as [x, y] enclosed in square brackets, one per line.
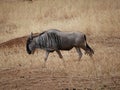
[31, 35]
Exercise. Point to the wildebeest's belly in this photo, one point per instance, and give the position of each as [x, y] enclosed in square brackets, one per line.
[66, 48]
[66, 45]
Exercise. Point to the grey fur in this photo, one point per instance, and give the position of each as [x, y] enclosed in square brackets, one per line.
[55, 40]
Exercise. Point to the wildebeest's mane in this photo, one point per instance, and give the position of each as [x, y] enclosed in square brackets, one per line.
[42, 33]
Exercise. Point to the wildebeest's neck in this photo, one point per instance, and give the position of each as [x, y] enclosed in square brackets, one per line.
[48, 41]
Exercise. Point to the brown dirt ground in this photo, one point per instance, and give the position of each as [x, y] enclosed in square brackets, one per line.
[35, 79]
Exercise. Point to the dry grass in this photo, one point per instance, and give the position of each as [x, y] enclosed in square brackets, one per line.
[89, 16]
[98, 19]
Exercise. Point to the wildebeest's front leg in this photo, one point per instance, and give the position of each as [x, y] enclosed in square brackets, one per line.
[59, 53]
[46, 57]
[79, 52]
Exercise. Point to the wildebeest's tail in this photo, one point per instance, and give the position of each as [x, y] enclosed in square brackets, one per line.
[88, 49]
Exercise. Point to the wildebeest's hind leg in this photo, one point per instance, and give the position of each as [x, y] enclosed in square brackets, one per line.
[59, 53]
[79, 52]
[88, 50]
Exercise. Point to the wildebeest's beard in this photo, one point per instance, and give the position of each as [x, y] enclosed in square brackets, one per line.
[27, 46]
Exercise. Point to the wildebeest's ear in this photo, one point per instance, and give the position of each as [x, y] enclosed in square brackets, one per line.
[31, 35]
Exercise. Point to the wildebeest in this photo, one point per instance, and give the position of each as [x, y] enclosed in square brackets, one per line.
[56, 40]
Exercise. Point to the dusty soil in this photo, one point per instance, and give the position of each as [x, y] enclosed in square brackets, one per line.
[29, 79]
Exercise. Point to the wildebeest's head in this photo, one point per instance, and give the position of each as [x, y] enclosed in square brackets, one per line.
[30, 45]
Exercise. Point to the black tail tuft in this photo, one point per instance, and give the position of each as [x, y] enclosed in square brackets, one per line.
[85, 37]
[89, 50]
